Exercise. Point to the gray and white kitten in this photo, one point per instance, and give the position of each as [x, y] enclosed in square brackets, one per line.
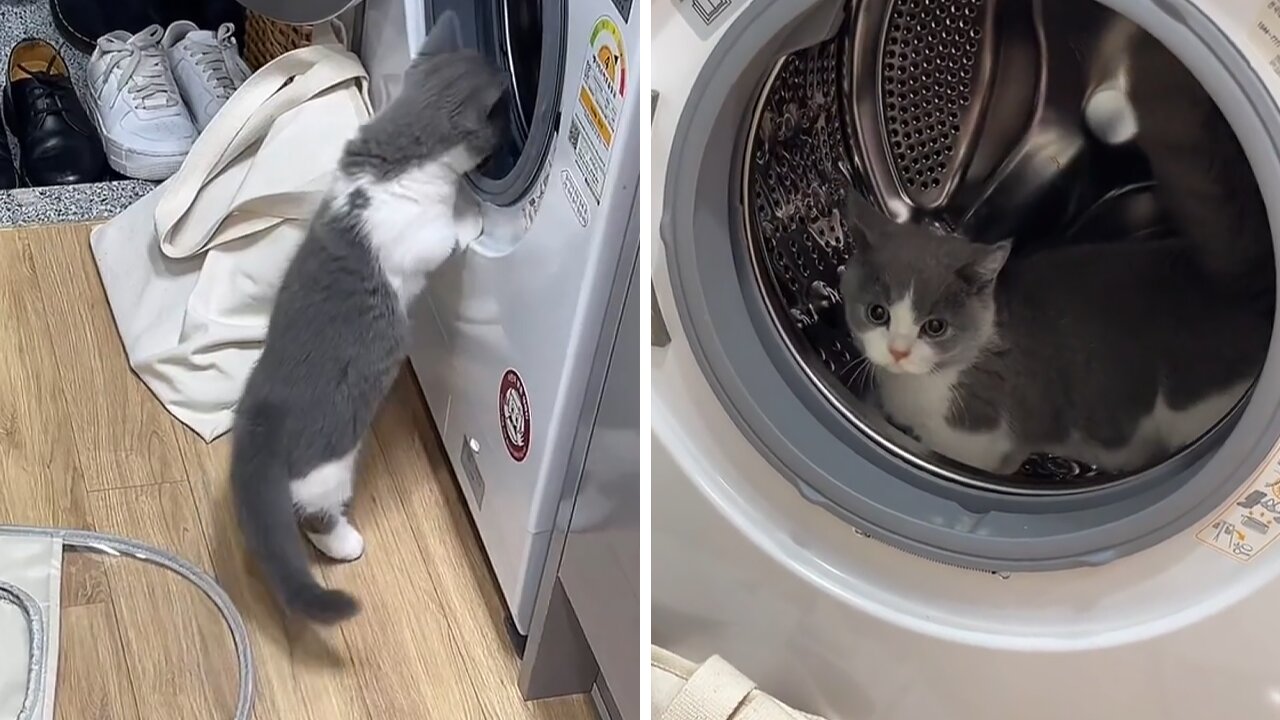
[1112, 354]
[337, 334]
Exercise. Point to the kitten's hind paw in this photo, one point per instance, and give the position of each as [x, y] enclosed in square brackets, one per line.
[343, 543]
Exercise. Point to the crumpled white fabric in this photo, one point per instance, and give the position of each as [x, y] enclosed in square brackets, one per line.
[192, 269]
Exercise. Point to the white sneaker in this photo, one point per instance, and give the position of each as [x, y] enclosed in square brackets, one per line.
[136, 105]
[207, 67]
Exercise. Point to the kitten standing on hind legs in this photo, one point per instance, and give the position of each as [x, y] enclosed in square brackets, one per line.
[338, 331]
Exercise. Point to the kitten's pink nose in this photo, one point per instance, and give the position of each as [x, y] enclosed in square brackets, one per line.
[898, 353]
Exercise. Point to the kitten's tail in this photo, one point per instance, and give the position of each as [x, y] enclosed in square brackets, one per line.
[264, 508]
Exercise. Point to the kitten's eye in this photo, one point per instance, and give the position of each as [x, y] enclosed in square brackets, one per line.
[934, 327]
[877, 314]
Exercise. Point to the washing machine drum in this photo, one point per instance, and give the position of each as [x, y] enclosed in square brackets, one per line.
[527, 40]
[972, 115]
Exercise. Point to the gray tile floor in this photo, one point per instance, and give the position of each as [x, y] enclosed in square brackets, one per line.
[21, 19]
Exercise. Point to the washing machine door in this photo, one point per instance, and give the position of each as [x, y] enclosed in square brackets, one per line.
[526, 38]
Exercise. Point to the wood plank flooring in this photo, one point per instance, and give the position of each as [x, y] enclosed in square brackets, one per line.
[84, 444]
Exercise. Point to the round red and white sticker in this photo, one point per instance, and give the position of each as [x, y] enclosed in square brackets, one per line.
[513, 415]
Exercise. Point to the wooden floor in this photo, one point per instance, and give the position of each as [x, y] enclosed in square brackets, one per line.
[83, 444]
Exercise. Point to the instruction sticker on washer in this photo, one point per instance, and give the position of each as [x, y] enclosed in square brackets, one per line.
[577, 202]
[1266, 33]
[595, 115]
[529, 211]
[1252, 521]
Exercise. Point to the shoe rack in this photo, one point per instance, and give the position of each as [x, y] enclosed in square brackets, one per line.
[62, 203]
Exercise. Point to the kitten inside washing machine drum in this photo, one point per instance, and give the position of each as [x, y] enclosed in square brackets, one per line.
[1074, 325]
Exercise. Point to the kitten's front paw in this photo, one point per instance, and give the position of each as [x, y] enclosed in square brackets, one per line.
[343, 543]
[467, 220]
[470, 228]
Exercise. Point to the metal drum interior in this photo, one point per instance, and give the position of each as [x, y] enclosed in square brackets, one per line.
[967, 114]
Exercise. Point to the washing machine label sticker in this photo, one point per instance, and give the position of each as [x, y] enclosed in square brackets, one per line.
[1251, 523]
[600, 96]
[513, 415]
[1266, 33]
[581, 210]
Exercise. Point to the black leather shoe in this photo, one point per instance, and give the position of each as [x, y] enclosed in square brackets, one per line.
[82, 22]
[57, 142]
[8, 173]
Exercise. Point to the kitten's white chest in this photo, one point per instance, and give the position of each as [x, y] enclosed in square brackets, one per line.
[409, 225]
[922, 403]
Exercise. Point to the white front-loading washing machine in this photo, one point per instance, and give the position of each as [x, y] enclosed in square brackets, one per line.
[841, 567]
[508, 331]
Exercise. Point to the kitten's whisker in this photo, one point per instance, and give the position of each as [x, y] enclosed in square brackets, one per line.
[862, 372]
[869, 374]
[840, 375]
[959, 403]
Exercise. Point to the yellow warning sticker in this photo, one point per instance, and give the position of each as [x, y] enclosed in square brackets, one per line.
[595, 115]
[1252, 521]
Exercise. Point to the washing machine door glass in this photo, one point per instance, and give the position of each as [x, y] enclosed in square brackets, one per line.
[526, 39]
[971, 118]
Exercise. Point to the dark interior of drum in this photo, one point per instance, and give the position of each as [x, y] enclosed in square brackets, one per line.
[515, 43]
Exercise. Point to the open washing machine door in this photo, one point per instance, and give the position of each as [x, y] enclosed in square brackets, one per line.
[894, 585]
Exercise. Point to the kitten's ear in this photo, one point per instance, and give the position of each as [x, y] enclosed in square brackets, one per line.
[445, 36]
[864, 220]
[860, 212]
[987, 263]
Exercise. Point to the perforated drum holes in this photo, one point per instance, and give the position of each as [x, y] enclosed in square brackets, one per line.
[799, 171]
[927, 66]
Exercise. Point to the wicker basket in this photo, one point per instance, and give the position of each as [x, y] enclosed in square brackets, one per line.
[266, 39]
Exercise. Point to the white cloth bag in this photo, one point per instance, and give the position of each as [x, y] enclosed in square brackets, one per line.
[714, 690]
[192, 269]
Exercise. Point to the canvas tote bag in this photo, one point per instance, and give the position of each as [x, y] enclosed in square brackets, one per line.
[192, 269]
[714, 690]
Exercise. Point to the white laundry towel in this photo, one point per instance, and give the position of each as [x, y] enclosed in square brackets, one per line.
[32, 567]
[714, 690]
[192, 269]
